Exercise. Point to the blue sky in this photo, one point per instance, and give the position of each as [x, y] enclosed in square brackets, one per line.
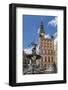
[31, 25]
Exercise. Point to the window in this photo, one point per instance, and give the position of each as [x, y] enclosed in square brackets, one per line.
[41, 58]
[48, 59]
[51, 51]
[50, 46]
[45, 59]
[52, 59]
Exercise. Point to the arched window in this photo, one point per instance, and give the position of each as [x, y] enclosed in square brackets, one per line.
[48, 59]
[52, 59]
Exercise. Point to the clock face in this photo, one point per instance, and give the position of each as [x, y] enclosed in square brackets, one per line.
[42, 34]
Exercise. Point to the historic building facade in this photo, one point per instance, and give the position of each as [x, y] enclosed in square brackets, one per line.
[46, 48]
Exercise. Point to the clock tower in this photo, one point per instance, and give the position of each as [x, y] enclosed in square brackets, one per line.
[42, 32]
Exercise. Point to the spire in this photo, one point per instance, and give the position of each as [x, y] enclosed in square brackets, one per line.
[42, 32]
[42, 27]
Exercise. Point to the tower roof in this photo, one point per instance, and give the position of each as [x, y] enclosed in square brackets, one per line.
[42, 27]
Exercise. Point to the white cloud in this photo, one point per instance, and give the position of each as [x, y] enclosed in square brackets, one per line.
[28, 50]
[53, 22]
[55, 35]
[47, 36]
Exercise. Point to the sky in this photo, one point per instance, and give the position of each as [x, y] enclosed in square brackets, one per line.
[31, 25]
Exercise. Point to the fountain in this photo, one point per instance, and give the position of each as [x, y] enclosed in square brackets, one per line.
[33, 57]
